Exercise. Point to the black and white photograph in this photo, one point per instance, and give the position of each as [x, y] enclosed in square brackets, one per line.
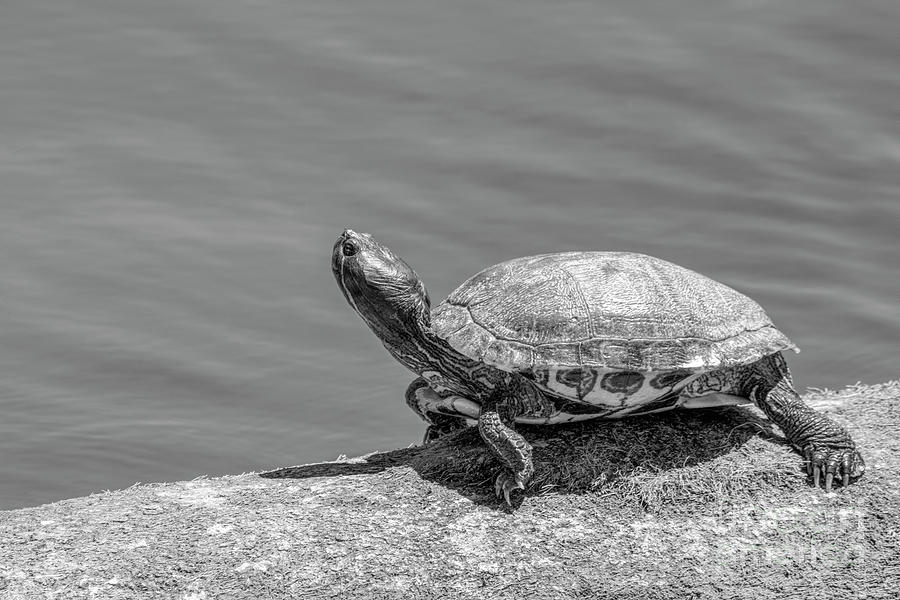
[377, 299]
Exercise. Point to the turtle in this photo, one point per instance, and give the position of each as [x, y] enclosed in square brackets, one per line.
[563, 337]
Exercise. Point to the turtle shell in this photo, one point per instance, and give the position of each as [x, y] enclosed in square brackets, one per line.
[616, 310]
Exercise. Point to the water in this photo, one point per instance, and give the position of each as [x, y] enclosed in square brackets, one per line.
[174, 174]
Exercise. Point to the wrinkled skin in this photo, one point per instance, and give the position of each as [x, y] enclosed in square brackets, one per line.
[827, 447]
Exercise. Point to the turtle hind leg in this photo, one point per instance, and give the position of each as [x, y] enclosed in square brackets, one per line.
[432, 408]
[826, 446]
[496, 428]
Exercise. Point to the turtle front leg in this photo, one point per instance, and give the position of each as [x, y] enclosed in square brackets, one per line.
[496, 428]
[826, 446]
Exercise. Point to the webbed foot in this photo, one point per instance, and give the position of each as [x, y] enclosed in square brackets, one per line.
[824, 443]
[820, 459]
[505, 484]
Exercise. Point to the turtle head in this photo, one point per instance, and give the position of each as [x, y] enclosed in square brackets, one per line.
[380, 286]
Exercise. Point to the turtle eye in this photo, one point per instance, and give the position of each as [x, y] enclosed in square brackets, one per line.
[349, 248]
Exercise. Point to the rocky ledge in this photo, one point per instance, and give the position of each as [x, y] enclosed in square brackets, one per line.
[697, 504]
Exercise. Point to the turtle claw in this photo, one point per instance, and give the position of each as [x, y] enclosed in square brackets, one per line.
[831, 462]
[505, 484]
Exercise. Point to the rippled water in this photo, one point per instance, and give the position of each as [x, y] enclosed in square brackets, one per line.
[174, 174]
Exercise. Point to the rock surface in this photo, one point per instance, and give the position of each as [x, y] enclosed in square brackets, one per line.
[697, 504]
